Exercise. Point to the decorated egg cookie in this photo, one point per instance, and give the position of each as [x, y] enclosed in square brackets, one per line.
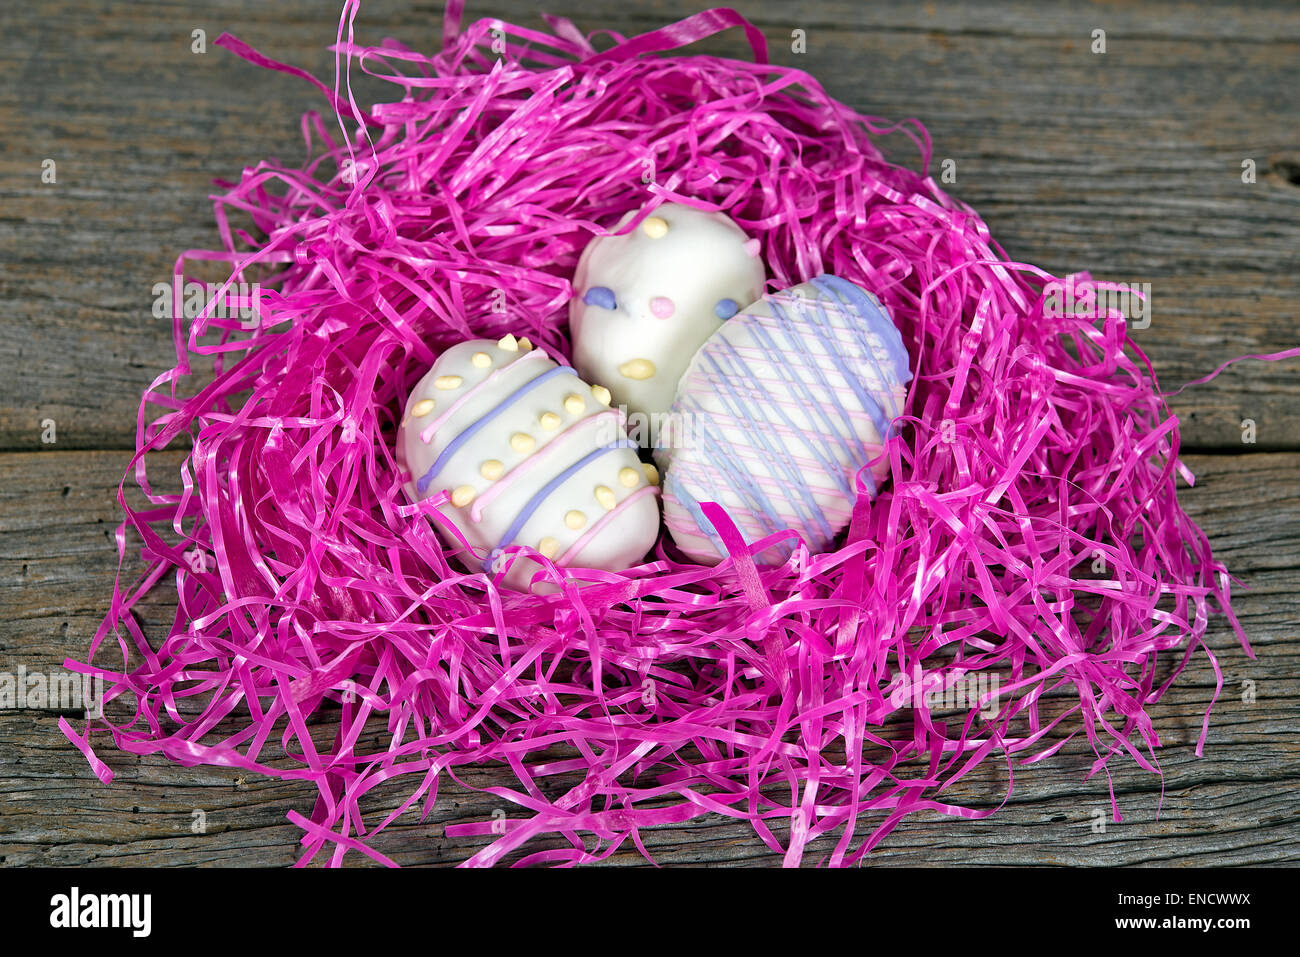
[645, 301]
[778, 412]
[529, 455]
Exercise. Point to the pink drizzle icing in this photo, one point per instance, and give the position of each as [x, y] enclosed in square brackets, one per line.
[430, 430]
[534, 461]
[571, 553]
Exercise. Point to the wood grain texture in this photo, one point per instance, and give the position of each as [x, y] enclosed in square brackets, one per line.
[1235, 805]
[1126, 163]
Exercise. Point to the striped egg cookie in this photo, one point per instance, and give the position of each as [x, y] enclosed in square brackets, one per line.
[528, 454]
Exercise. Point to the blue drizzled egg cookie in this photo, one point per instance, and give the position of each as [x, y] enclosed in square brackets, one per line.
[645, 301]
[778, 412]
[529, 454]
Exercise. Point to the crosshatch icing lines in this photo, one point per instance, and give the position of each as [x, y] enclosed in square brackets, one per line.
[789, 400]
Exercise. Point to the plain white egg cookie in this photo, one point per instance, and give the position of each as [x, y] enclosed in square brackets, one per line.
[644, 302]
[776, 415]
[529, 454]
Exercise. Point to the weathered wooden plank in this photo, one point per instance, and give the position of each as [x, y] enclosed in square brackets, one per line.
[1127, 163]
[1267, 21]
[1236, 805]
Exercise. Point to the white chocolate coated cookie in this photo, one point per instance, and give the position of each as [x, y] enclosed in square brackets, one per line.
[529, 455]
[776, 415]
[645, 301]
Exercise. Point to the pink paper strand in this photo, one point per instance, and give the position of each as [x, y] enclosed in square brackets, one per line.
[795, 698]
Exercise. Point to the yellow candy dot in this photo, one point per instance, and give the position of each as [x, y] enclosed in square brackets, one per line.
[549, 421]
[446, 382]
[651, 473]
[422, 408]
[509, 343]
[573, 404]
[524, 343]
[655, 227]
[627, 477]
[637, 369]
[606, 498]
[548, 546]
[491, 470]
[522, 442]
[601, 393]
[481, 360]
[462, 496]
[575, 519]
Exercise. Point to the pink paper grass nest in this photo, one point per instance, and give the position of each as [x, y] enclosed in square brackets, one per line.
[1019, 581]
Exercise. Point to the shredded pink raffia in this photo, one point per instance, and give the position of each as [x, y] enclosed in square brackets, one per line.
[1032, 529]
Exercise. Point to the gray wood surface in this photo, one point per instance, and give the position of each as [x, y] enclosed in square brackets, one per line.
[1126, 163]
